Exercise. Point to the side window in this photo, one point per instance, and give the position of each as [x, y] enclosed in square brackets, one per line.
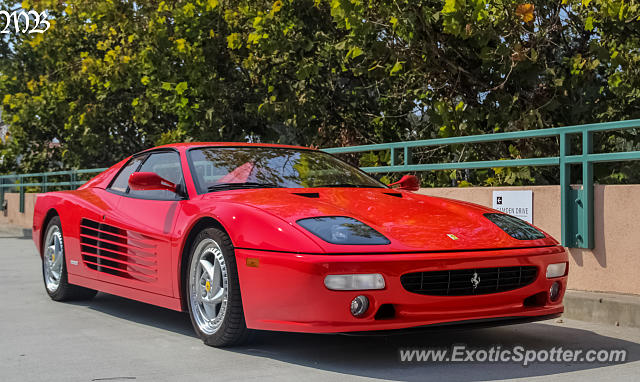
[165, 164]
[121, 182]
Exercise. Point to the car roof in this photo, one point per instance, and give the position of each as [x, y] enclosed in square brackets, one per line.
[189, 145]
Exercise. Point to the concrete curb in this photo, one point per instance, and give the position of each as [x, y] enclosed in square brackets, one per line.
[13, 231]
[604, 308]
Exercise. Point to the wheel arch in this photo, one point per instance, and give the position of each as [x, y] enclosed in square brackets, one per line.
[199, 225]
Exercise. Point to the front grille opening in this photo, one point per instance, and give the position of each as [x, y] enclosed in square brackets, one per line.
[466, 282]
[537, 300]
[385, 312]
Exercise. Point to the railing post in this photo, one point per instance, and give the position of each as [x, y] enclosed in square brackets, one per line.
[1, 192]
[565, 190]
[21, 181]
[44, 183]
[407, 156]
[392, 153]
[73, 179]
[586, 222]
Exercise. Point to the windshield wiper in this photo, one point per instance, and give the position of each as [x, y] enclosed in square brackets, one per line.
[346, 185]
[237, 186]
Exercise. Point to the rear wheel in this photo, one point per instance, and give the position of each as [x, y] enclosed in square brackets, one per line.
[54, 268]
[215, 304]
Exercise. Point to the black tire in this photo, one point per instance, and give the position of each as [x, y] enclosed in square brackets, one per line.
[233, 330]
[64, 290]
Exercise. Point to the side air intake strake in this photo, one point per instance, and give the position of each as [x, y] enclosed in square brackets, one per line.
[118, 252]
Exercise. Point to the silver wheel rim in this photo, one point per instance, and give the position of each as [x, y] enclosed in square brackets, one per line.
[208, 286]
[53, 258]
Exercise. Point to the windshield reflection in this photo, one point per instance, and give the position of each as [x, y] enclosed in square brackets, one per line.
[254, 167]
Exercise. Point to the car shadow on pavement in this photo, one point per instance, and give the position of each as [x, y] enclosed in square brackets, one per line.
[141, 313]
[377, 356]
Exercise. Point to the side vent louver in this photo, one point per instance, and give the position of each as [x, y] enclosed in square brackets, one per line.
[118, 252]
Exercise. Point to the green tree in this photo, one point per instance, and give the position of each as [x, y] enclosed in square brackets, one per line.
[113, 77]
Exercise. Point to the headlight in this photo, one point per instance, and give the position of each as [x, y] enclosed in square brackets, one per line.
[354, 282]
[343, 230]
[514, 227]
[556, 270]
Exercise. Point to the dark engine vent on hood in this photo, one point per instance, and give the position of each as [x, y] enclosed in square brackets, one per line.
[466, 282]
[308, 194]
[118, 252]
[396, 194]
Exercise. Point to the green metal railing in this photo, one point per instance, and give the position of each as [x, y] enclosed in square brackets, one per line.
[19, 182]
[577, 204]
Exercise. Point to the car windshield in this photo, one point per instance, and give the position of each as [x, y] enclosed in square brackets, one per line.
[221, 168]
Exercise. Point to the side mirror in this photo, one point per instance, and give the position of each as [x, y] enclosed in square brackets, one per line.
[150, 181]
[407, 183]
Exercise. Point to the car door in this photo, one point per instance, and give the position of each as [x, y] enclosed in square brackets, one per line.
[135, 243]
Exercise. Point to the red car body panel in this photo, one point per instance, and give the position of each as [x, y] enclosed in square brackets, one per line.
[285, 291]
[300, 302]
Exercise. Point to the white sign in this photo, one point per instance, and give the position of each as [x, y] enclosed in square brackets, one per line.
[516, 203]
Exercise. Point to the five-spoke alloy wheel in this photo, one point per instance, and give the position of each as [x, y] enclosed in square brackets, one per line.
[53, 258]
[208, 286]
[54, 267]
[213, 290]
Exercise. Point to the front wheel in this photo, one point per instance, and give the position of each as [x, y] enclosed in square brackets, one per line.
[215, 304]
[54, 267]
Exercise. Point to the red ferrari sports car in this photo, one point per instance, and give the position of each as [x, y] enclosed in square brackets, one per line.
[274, 237]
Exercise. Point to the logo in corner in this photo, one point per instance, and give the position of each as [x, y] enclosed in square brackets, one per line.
[452, 236]
[475, 280]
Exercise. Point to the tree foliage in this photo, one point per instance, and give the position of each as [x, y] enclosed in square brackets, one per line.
[113, 77]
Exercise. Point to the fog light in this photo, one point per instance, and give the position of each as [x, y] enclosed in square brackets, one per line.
[556, 270]
[359, 306]
[554, 291]
[354, 282]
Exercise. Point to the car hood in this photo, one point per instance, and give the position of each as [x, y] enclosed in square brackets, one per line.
[412, 222]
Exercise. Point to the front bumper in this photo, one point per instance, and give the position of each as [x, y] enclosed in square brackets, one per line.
[286, 292]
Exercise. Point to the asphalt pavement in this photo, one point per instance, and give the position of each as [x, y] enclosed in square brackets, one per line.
[114, 339]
